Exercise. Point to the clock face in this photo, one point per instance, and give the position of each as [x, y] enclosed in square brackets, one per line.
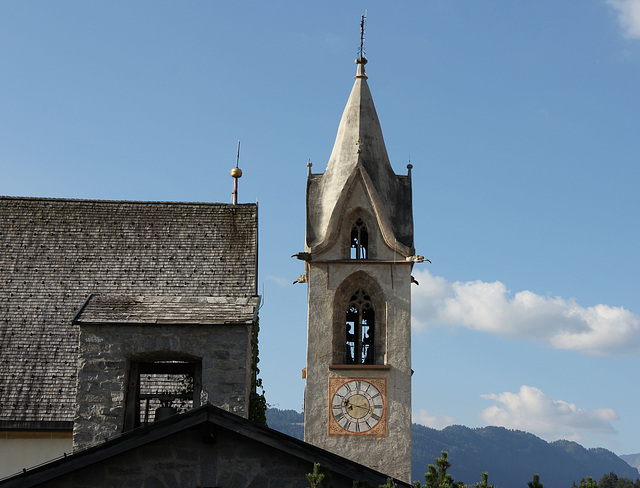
[358, 406]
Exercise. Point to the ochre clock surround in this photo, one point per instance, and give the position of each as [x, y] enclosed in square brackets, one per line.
[357, 406]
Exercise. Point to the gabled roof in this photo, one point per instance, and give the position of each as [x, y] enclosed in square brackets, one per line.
[359, 148]
[143, 310]
[54, 253]
[206, 419]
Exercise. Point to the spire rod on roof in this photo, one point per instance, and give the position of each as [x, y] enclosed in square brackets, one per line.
[235, 174]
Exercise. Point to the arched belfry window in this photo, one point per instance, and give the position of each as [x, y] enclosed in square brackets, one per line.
[360, 330]
[359, 240]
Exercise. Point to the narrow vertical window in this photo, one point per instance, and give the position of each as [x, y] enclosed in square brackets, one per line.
[360, 328]
[359, 240]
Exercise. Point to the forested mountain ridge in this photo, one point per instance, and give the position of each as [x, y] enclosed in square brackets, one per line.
[288, 422]
[511, 457]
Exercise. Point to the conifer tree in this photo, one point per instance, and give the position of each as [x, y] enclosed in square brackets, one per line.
[316, 477]
[608, 480]
[437, 477]
[589, 483]
[485, 482]
[536, 482]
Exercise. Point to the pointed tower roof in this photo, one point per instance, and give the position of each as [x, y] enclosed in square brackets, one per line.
[359, 151]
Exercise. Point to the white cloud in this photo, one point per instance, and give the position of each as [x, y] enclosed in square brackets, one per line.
[280, 281]
[600, 330]
[533, 411]
[433, 420]
[628, 16]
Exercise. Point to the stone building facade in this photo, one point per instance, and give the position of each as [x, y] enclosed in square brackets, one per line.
[114, 312]
[166, 267]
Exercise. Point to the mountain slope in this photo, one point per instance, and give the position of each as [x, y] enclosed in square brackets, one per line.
[512, 457]
[632, 459]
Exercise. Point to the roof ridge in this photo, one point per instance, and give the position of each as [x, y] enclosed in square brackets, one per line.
[144, 202]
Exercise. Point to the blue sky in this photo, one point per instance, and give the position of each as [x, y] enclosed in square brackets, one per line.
[522, 122]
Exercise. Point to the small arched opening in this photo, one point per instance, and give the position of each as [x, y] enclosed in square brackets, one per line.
[359, 240]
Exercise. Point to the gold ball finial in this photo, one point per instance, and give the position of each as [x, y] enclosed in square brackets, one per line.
[236, 172]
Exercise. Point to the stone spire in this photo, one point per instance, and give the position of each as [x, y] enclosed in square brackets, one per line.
[359, 149]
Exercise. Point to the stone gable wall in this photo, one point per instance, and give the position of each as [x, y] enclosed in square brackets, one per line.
[105, 352]
[184, 460]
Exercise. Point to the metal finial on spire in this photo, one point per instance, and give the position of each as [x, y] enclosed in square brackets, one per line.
[361, 60]
[235, 174]
[361, 53]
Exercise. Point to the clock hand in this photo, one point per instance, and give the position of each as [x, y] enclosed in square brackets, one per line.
[367, 409]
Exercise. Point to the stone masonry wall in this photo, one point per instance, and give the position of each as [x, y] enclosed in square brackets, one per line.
[106, 350]
[184, 460]
[391, 454]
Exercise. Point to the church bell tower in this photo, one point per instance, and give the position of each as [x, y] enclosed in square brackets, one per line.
[359, 254]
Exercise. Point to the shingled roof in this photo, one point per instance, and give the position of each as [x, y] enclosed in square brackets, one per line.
[54, 253]
[141, 310]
